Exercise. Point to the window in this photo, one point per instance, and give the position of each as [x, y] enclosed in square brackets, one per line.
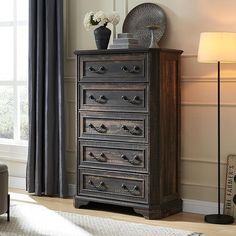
[14, 71]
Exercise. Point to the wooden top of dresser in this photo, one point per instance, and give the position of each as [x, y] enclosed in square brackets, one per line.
[121, 51]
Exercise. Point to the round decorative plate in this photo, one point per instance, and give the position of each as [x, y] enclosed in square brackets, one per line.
[142, 16]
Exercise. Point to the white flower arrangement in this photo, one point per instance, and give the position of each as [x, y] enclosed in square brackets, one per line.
[100, 18]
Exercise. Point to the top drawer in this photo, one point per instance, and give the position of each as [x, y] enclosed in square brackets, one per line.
[117, 67]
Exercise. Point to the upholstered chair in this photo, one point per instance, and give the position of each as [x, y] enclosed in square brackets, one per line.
[4, 196]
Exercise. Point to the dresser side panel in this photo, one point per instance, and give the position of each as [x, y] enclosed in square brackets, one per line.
[169, 126]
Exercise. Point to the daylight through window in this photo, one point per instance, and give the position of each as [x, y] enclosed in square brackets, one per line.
[14, 71]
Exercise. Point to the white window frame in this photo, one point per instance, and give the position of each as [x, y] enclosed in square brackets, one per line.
[14, 149]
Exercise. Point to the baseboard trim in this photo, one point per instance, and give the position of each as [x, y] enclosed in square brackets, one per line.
[191, 206]
[200, 207]
[17, 182]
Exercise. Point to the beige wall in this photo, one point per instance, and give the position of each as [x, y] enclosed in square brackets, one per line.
[186, 19]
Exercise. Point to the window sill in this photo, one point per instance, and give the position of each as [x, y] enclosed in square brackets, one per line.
[11, 142]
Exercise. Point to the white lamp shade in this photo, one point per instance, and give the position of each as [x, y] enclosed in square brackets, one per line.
[217, 47]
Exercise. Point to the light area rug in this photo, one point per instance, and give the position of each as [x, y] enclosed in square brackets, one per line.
[37, 220]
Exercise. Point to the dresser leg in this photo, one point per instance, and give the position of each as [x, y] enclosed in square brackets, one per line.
[162, 211]
[148, 214]
[78, 203]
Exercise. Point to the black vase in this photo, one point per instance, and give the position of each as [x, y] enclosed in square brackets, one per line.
[102, 36]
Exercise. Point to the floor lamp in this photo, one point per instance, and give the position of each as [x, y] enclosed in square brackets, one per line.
[218, 47]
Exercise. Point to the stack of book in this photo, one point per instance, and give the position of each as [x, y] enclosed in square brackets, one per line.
[125, 40]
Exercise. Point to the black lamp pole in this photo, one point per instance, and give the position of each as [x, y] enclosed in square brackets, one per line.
[219, 218]
[218, 106]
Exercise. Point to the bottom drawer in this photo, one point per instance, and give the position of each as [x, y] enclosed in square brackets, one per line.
[113, 185]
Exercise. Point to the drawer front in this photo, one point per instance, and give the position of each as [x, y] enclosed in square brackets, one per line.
[113, 185]
[113, 156]
[107, 126]
[113, 97]
[117, 67]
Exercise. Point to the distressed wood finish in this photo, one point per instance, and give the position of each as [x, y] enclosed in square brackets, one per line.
[115, 185]
[117, 97]
[107, 67]
[129, 129]
[113, 156]
[112, 126]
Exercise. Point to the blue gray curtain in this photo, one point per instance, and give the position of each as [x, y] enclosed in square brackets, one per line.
[46, 171]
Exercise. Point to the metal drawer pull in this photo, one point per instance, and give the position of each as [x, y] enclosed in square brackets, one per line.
[136, 100]
[100, 70]
[102, 157]
[101, 129]
[135, 131]
[134, 161]
[102, 99]
[100, 187]
[135, 69]
[132, 191]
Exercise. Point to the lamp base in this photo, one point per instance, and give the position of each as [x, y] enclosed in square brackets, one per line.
[219, 219]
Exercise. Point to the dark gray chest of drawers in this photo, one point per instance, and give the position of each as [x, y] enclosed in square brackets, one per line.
[128, 123]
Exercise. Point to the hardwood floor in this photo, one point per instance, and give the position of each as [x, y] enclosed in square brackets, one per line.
[187, 221]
